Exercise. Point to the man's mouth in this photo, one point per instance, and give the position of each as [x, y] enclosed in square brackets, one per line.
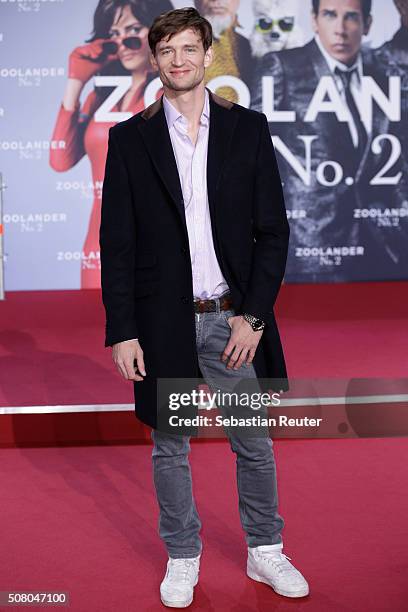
[179, 72]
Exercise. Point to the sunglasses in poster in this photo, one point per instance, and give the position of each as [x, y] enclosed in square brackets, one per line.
[286, 24]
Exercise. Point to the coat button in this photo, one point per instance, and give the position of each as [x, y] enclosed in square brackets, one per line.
[184, 299]
[183, 250]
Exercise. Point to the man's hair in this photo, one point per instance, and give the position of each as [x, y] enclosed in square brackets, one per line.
[175, 21]
[365, 7]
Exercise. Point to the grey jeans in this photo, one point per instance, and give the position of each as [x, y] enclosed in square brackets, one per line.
[179, 522]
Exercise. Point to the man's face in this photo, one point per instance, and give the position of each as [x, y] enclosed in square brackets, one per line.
[181, 61]
[340, 25]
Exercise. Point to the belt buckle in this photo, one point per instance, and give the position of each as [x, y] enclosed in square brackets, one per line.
[201, 306]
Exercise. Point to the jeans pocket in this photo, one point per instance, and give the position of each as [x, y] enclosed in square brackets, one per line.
[227, 315]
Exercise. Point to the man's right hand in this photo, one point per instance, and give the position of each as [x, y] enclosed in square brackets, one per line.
[124, 355]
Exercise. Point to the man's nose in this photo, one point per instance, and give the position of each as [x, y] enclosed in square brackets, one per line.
[178, 58]
[340, 26]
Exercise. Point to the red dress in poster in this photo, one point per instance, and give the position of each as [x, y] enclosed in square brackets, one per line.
[119, 47]
[85, 136]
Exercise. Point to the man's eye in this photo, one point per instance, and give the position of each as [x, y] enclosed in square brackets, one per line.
[136, 29]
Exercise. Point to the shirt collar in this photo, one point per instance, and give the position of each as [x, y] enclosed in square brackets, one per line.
[333, 63]
[172, 114]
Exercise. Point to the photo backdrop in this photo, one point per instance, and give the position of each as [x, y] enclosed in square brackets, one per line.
[346, 196]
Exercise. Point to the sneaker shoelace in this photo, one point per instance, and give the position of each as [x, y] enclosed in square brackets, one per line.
[179, 569]
[279, 560]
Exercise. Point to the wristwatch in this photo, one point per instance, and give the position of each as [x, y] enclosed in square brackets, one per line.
[256, 324]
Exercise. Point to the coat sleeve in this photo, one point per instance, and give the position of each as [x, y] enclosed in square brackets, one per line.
[271, 231]
[118, 244]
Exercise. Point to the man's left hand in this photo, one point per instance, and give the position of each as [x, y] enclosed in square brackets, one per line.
[242, 344]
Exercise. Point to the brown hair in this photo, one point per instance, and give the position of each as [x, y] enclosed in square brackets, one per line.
[175, 21]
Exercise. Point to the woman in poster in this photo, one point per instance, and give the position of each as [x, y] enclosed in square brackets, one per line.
[118, 46]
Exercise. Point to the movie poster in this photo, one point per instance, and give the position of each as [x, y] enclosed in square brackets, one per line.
[331, 77]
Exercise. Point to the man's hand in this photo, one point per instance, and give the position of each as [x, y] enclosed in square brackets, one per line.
[124, 355]
[242, 344]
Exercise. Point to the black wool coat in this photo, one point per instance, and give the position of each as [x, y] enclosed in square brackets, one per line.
[147, 285]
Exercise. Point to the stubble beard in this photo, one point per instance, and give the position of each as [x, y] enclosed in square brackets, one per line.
[187, 86]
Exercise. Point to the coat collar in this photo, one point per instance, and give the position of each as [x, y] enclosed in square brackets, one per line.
[154, 131]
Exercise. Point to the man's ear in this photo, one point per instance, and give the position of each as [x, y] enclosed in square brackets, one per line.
[367, 25]
[208, 57]
[153, 61]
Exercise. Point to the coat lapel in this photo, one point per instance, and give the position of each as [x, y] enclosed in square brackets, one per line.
[156, 137]
[222, 125]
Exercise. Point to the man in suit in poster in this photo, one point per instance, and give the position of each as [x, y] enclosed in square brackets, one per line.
[348, 218]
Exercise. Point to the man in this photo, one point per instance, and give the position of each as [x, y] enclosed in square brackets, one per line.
[193, 249]
[337, 213]
[231, 51]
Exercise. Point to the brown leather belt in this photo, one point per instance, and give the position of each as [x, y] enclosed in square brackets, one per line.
[225, 303]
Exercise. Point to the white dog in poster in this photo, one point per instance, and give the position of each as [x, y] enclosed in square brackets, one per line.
[275, 26]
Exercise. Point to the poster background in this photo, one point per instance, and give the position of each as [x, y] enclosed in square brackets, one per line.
[47, 213]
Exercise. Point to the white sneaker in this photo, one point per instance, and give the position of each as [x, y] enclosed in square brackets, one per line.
[176, 589]
[269, 565]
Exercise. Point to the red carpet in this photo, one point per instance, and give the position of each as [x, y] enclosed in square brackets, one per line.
[52, 353]
[51, 343]
[84, 520]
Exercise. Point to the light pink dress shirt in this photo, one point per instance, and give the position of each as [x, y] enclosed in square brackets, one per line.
[208, 281]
